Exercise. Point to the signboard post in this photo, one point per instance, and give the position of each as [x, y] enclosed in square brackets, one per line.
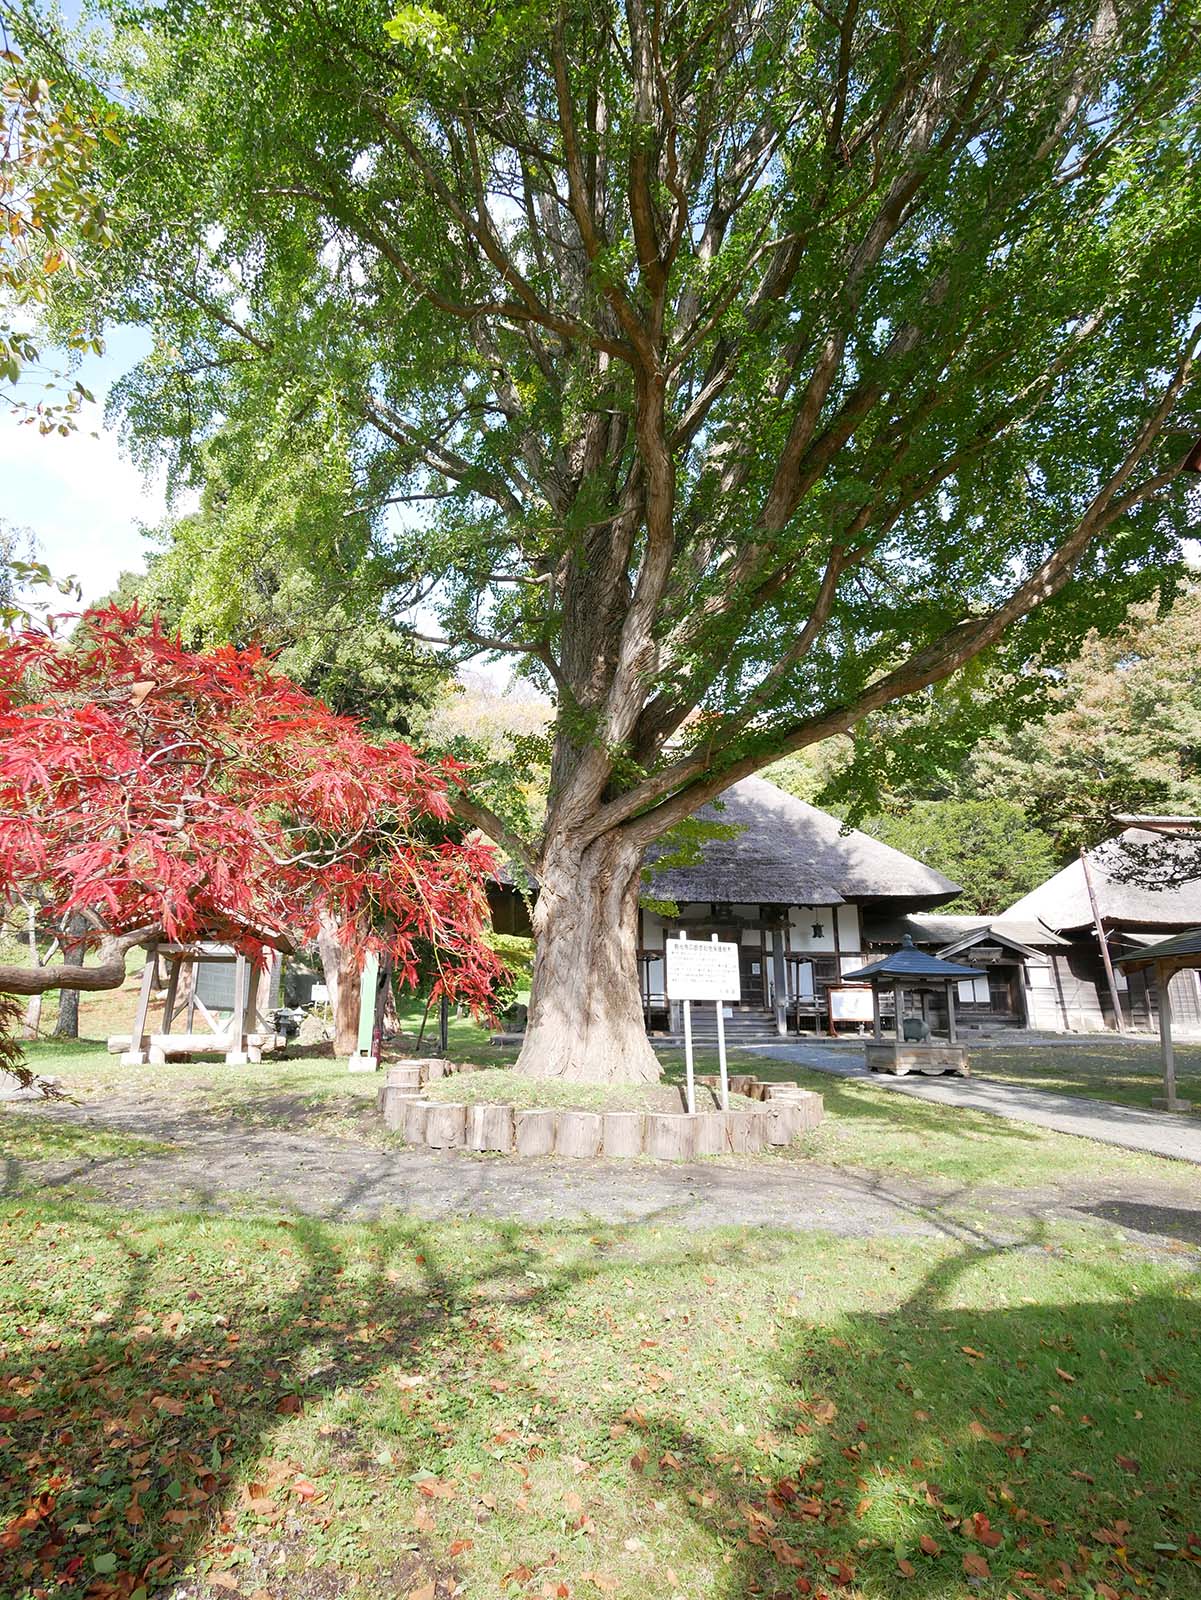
[703, 972]
[688, 1049]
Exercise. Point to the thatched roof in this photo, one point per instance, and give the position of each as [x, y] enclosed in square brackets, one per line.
[1138, 879]
[790, 853]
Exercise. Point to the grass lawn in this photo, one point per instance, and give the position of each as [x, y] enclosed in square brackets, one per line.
[279, 1408]
[866, 1127]
[1104, 1069]
[504, 1086]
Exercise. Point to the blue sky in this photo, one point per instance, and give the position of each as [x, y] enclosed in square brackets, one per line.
[83, 499]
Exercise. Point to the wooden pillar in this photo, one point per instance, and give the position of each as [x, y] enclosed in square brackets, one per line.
[779, 981]
[175, 963]
[250, 1010]
[898, 1000]
[135, 1056]
[1163, 976]
[951, 1010]
[1119, 1020]
[235, 1053]
[876, 1033]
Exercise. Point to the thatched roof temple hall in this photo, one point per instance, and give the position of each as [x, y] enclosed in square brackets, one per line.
[792, 889]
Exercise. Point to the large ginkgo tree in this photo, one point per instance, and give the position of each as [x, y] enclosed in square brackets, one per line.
[741, 368]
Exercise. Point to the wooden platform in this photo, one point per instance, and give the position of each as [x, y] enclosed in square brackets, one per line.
[931, 1057]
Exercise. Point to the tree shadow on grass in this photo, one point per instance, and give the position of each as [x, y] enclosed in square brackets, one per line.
[144, 1383]
[935, 1451]
[154, 1382]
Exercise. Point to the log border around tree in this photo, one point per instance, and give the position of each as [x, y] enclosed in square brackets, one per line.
[784, 1111]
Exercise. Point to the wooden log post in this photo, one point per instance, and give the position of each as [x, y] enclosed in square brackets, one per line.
[534, 1132]
[236, 1055]
[624, 1133]
[783, 1122]
[490, 1128]
[745, 1131]
[579, 1133]
[414, 1123]
[710, 1133]
[446, 1125]
[394, 1104]
[404, 1075]
[434, 1069]
[671, 1135]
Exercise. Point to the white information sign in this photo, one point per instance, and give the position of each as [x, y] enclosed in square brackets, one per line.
[698, 970]
[850, 1005]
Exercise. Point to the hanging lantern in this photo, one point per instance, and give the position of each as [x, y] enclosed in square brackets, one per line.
[819, 930]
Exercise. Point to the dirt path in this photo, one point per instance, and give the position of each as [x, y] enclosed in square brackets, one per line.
[220, 1163]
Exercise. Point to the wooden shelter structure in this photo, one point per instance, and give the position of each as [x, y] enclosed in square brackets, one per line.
[1169, 956]
[912, 970]
[211, 999]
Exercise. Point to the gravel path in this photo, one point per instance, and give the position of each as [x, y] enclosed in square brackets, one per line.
[1157, 1133]
[222, 1163]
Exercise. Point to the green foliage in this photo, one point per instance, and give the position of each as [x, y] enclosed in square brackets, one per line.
[1122, 732]
[49, 202]
[694, 312]
[988, 846]
[279, 555]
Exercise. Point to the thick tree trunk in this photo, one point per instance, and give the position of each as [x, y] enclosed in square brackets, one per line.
[343, 980]
[586, 1020]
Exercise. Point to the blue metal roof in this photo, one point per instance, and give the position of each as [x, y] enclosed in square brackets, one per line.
[909, 962]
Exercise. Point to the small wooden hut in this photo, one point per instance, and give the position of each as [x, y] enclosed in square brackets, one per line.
[210, 999]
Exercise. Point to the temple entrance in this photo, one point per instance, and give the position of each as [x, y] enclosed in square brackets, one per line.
[752, 972]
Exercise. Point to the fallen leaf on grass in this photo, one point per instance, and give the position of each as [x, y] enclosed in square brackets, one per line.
[224, 1580]
[435, 1489]
[426, 1592]
[906, 1568]
[976, 1567]
[930, 1547]
[979, 1431]
[1066, 1376]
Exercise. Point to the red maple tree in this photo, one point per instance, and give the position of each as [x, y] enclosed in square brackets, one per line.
[149, 790]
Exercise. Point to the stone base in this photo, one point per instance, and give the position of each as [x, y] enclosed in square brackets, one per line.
[933, 1059]
[1162, 1103]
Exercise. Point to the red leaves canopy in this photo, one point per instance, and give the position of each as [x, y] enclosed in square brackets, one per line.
[200, 792]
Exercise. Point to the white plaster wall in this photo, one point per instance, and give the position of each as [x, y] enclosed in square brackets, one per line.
[848, 927]
[801, 920]
[652, 931]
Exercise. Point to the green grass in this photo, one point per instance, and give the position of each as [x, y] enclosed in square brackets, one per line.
[1127, 1073]
[33, 1136]
[872, 1129]
[310, 1090]
[503, 1086]
[866, 1128]
[311, 1411]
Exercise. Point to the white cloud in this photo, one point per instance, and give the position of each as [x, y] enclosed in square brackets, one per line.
[83, 500]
